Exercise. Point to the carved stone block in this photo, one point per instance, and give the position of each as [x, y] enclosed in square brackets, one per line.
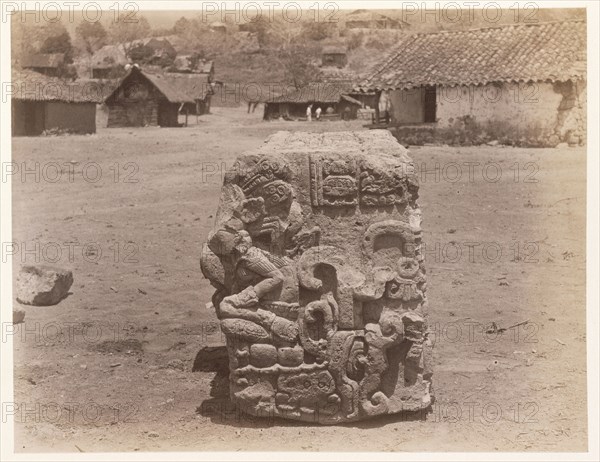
[320, 285]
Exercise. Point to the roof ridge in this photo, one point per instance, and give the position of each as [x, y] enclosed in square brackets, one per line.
[397, 49]
[498, 26]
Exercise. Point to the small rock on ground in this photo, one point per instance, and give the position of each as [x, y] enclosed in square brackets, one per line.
[18, 316]
[42, 285]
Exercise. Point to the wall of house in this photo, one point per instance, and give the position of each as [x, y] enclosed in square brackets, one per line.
[367, 100]
[27, 118]
[31, 118]
[71, 117]
[132, 114]
[406, 106]
[134, 104]
[298, 110]
[541, 112]
[334, 59]
[523, 105]
[49, 71]
[101, 72]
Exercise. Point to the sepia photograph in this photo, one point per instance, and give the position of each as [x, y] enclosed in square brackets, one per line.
[301, 230]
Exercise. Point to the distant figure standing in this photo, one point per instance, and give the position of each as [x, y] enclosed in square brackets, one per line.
[318, 113]
[309, 113]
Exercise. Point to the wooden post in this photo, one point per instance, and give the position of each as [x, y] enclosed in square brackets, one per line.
[186, 116]
[378, 95]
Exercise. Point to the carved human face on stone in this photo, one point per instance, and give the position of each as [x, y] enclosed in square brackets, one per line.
[242, 242]
[221, 242]
[277, 196]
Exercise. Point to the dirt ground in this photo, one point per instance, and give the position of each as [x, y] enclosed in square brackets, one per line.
[110, 368]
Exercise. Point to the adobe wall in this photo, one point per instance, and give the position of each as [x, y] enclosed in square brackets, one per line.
[72, 117]
[133, 114]
[529, 114]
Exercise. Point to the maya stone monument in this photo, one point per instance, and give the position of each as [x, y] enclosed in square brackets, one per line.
[320, 283]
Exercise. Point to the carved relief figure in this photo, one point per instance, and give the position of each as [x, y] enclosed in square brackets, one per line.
[316, 258]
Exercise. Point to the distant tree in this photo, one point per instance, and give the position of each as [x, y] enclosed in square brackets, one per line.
[92, 35]
[315, 30]
[125, 30]
[262, 28]
[298, 66]
[354, 40]
[59, 44]
[21, 38]
[182, 26]
[161, 31]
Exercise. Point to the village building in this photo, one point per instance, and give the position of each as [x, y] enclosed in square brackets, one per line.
[41, 104]
[180, 44]
[142, 98]
[338, 73]
[189, 63]
[368, 19]
[249, 26]
[154, 50]
[218, 26]
[334, 56]
[108, 61]
[520, 82]
[331, 98]
[44, 63]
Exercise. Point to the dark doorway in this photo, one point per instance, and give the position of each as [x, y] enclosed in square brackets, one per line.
[168, 114]
[429, 104]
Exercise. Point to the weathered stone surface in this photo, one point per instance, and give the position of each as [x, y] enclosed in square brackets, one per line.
[42, 285]
[320, 283]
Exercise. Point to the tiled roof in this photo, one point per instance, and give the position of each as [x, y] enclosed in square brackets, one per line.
[31, 86]
[344, 76]
[43, 60]
[314, 93]
[524, 52]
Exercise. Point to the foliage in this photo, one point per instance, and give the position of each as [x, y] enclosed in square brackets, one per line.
[59, 44]
[262, 28]
[92, 35]
[298, 66]
[125, 30]
[354, 40]
[317, 30]
[182, 26]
